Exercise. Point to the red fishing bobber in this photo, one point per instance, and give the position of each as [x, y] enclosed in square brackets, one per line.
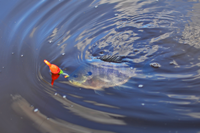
[54, 69]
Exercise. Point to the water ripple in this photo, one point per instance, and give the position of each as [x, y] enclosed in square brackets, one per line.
[72, 34]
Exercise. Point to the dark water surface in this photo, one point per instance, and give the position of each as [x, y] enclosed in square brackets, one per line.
[68, 34]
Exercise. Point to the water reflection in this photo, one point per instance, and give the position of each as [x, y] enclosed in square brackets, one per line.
[71, 33]
[190, 34]
[43, 123]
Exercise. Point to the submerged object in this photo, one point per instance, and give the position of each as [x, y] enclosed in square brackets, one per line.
[98, 74]
[101, 75]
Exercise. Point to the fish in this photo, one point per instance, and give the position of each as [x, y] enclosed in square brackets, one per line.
[98, 74]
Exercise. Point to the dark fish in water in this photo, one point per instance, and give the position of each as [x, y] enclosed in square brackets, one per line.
[112, 58]
[99, 74]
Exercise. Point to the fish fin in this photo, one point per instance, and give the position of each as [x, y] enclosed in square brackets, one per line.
[112, 58]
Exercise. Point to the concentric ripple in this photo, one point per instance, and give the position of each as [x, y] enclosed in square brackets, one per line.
[73, 34]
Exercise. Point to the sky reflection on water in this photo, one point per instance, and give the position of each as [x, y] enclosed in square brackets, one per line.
[71, 34]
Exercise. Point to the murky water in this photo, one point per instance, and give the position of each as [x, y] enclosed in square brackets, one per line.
[71, 34]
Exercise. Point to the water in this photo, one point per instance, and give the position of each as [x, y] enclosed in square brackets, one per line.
[165, 32]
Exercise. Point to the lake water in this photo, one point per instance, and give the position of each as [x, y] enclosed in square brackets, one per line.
[70, 33]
